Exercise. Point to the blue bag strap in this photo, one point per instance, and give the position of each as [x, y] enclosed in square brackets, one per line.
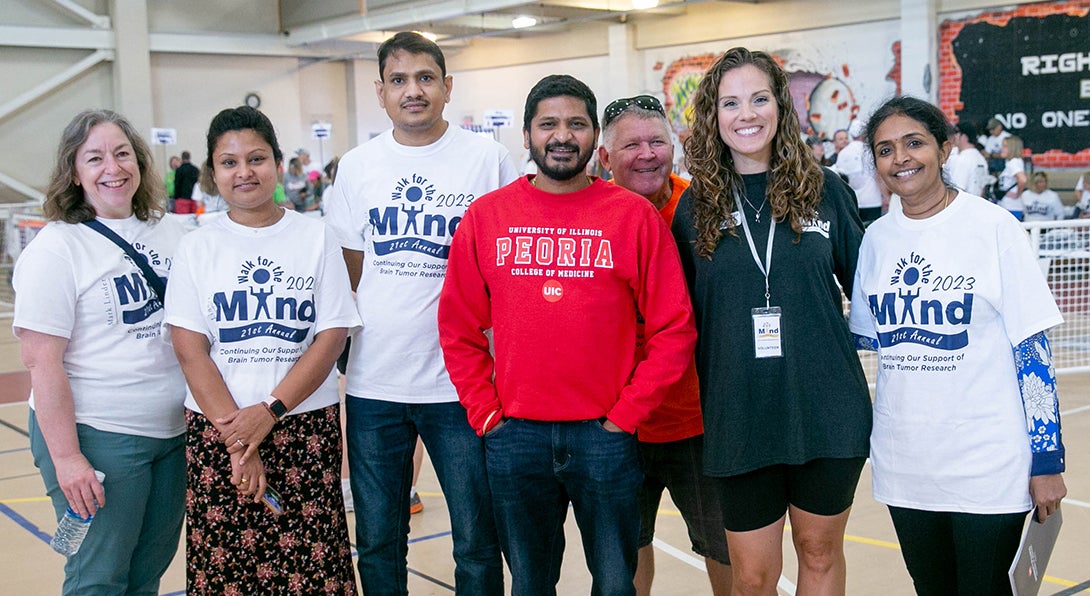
[153, 280]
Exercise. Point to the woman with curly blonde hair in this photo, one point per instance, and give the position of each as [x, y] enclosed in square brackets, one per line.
[764, 235]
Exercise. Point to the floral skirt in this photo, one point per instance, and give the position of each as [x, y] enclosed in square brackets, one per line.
[236, 546]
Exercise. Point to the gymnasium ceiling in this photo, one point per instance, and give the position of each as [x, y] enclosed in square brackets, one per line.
[344, 23]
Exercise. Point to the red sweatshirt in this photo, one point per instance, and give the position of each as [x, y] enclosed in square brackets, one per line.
[559, 279]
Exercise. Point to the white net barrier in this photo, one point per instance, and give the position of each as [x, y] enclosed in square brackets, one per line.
[20, 223]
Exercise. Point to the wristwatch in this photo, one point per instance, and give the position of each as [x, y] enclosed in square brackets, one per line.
[276, 406]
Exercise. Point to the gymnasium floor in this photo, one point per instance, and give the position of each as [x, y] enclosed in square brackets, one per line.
[29, 567]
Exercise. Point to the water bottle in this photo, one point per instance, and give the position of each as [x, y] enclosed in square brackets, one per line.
[72, 529]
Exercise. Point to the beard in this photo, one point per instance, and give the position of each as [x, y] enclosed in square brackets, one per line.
[563, 171]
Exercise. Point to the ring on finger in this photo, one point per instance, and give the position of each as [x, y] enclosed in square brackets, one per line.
[240, 443]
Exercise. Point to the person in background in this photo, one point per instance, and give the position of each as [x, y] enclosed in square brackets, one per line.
[840, 141]
[395, 205]
[1012, 180]
[968, 169]
[296, 186]
[259, 308]
[312, 204]
[966, 433]
[636, 148]
[993, 146]
[1082, 197]
[559, 266]
[854, 162]
[186, 176]
[207, 194]
[765, 234]
[168, 180]
[817, 147]
[106, 389]
[1041, 203]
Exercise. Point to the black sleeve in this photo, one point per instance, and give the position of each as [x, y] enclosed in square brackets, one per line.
[840, 200]
[685, 236]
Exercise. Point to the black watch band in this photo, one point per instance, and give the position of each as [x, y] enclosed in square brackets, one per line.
[278, 408]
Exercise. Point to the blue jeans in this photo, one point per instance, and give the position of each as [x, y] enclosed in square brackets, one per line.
[535, 469]
[381, 439]
[134, 536]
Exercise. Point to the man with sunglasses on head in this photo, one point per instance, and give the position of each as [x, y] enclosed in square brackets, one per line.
[559, 266]
[637, 149]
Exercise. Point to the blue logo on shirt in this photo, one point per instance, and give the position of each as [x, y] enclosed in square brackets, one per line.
[253, 306]
[406, 218]
[911, 314]
[132, 289]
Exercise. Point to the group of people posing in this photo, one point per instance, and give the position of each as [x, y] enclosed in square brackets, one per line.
[554, 339]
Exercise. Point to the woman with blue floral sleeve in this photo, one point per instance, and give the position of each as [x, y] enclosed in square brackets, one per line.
[966, 436]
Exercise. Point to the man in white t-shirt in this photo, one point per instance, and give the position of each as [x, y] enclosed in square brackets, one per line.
[396, 203]
[855, 162]
[993, 145]
[968, 170]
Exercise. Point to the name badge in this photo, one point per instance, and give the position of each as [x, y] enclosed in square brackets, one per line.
[766, 332]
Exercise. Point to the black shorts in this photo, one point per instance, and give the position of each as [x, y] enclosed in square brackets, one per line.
[678, 466]
[756, 499]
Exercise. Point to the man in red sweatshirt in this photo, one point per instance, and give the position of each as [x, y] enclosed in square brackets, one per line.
[559, 266]
[637, 149]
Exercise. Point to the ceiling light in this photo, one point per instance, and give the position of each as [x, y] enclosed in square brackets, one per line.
[523, 21]
[644, 4]
[432, 37]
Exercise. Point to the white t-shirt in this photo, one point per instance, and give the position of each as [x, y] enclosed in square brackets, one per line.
[993, 145]
[1082, 195]
[968, 171]
[1008, 181]
[73, 282]
[260, 295]
[947, 297]
[855, 162]
[1043, 206]
[399, 206]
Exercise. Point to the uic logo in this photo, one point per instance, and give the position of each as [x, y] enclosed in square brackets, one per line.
[552, 291]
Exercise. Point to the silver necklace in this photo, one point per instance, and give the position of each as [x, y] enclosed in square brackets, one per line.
[756, 210]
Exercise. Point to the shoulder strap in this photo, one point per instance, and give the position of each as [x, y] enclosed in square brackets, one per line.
[153, 280]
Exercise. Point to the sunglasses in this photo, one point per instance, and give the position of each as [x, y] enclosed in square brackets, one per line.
[620, 106]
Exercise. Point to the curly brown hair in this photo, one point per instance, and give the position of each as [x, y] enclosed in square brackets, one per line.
[64, 200]
[794, 178]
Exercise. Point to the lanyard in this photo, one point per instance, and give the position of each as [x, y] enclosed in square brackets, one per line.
[753, 249]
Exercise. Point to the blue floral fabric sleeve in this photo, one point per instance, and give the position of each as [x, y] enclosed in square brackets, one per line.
[862, 342]
[1037, 381]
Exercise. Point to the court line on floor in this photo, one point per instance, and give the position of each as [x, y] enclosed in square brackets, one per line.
[893, 545]
[431, 579]
[25, 523]
[1075, 411]
[1074, 589]
[784, 584]
[17, 429]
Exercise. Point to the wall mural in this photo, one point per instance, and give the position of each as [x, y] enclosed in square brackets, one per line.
[825, 98]
[1029, 67]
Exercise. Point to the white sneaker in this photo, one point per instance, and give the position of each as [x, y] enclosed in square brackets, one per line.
[346, 490]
